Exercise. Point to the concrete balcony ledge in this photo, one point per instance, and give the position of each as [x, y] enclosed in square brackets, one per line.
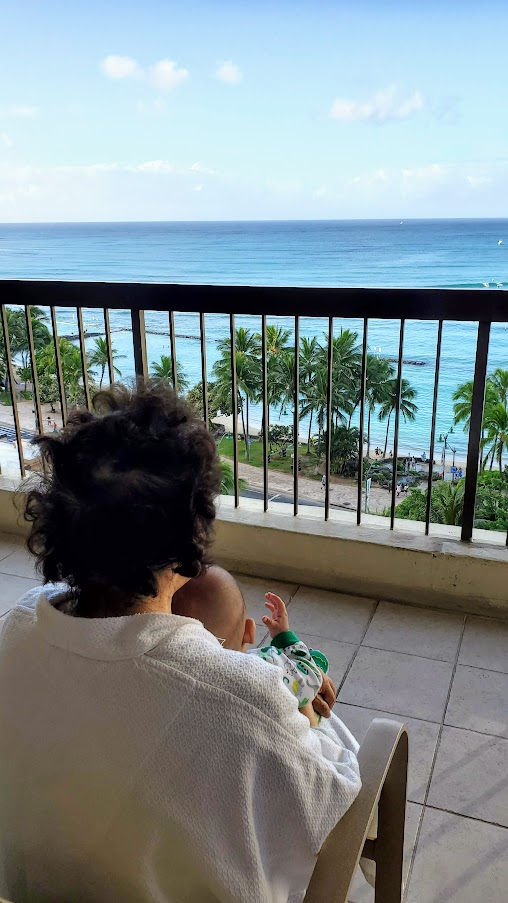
[402, 565]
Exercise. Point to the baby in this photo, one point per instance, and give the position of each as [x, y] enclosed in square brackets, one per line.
[215, 599]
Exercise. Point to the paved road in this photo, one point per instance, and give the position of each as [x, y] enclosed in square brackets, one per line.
[280, 497]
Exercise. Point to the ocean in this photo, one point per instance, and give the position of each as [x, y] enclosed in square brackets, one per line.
[413, 253]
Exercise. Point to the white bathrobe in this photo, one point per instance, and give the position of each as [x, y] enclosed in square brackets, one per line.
[140, 761]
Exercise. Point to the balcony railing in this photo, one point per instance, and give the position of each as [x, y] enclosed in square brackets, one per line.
[399, 304]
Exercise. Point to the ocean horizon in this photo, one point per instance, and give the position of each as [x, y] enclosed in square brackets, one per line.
[444, 253]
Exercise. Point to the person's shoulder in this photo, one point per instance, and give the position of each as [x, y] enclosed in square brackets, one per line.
[224, 673]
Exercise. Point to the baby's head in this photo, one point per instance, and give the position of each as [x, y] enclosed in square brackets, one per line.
[215, 599]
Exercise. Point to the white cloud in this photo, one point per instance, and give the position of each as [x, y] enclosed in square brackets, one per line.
[198, 167]
[476, 181]
[385, 106]
[119, 66]
[228, 72]
[166, 75]
[197, 188]
[5, 139]
[319, 192]
[19, 110]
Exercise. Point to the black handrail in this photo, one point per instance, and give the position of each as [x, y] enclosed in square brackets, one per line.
[363, 303]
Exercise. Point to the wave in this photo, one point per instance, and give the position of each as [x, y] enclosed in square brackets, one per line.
[492, 283]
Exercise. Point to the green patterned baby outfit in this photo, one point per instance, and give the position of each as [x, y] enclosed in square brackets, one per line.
[302, 668]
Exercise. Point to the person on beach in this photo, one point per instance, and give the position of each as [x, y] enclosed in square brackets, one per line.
[216, 600]
[141, 760]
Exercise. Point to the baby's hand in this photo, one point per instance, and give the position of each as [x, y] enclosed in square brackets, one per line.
[279, 621]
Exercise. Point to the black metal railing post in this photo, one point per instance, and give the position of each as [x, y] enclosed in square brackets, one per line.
[33, 366]
[296, 416]
[266, 411]
[204, 373]
[397, 422]
[234, 405]
[329, 417]
[363, 386]
[433, 427]
[475, 429]
[58, 365]
[172, 340]
[139, 344]
[109, 347]
[12, 387]
[84, 363]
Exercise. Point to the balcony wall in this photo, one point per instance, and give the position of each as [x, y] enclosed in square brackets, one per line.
[399, 566]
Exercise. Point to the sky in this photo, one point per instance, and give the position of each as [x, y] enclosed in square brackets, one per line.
[253, 109]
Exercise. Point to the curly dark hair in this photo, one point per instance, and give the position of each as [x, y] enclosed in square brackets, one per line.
[129, 490]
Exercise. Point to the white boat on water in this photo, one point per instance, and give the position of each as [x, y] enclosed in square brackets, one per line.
[500, 242]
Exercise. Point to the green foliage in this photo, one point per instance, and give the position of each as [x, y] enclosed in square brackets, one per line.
[72, 372]
[491, 512]
[313, 384]
[98, 357]
[344, 446]
[163, 371]
[280, 436]
[494, 439]
[227, 484]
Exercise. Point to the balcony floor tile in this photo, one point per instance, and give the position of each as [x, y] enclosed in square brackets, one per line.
[469, 776]
[12, 588]
[459, 860]
[20, 563]
[417, 631]
[479, 701]
[398, 683]
[485, 644]
[336, 616]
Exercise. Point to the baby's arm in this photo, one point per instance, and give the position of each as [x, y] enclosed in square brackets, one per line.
[307, 672]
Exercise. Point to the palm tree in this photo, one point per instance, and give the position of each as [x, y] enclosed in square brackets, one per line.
[309, 360]
[227, 482]
[163, 371]
[408, 408]
[496, 425]
[345, 373]
[286, 379]
[315, 398]
[99, 357]
[447, 503]
[18, 338]
[72, 371]
[499, 382]
[463, 401]
[247, 374]
[277, 339]
[378, 377]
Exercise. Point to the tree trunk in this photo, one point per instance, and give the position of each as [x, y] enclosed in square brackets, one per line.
[387, 428]
[368, 434]
[235, 426]
[310, 430]
[102, 375]
[246, 435]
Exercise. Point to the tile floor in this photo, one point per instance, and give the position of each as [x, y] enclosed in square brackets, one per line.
[446, 676]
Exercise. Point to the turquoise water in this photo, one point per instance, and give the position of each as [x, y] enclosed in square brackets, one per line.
[441, 253]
